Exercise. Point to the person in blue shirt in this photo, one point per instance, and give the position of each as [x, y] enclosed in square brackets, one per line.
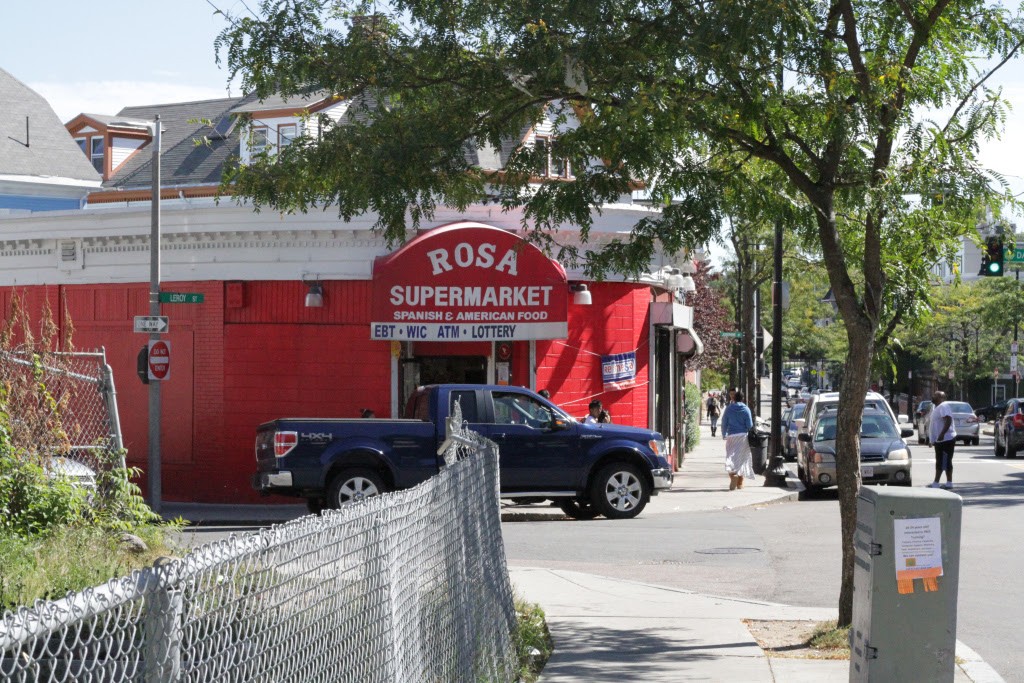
[736, 422]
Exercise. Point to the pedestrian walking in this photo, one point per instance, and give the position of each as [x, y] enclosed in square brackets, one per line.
[942, 432]
[713, 413]
[736, 422]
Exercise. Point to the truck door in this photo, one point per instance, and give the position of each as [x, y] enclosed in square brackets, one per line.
[534, 457]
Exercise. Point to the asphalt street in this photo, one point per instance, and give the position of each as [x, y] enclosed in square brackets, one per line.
[790, 552]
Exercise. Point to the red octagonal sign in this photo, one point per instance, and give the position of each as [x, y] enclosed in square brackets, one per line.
[159, 359]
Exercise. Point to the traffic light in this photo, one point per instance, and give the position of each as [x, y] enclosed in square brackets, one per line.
[992, 258]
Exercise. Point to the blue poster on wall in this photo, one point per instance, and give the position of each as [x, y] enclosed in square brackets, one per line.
[618, 371]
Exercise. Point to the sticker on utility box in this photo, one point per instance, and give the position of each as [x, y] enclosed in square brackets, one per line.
[918, 552]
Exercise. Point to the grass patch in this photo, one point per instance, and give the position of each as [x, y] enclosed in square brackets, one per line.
[532, 640]
[69, 559]
[830, 637]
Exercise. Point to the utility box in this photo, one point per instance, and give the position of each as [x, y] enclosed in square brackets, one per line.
[905, 577]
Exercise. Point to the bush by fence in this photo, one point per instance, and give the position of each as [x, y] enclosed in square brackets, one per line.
[409, 586]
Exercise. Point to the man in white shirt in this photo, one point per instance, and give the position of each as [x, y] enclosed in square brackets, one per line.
[942, 433]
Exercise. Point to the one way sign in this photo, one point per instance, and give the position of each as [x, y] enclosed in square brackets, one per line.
[151, 323]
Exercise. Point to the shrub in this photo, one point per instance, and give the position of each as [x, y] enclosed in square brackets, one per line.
[32, 502]
[691, 409]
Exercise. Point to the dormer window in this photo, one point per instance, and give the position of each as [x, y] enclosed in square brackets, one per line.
[549, 166]
[285, 134]
[96, 152]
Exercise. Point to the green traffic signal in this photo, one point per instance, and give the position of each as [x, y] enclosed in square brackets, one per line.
[992, 257]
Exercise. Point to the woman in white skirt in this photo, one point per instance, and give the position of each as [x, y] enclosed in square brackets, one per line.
[736, 422]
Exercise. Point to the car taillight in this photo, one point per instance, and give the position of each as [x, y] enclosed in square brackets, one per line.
[284, 442]
[1018, 421]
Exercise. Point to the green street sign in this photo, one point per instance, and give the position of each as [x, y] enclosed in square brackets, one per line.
[734, 335]
[181, 298]
[1015, 254]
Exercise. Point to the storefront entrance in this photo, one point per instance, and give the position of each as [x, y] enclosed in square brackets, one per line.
[423, 370]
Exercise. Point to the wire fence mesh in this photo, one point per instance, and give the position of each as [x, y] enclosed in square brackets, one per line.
[407, 586]
[64, 405]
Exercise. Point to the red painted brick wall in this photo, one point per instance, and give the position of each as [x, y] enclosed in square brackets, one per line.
[616, 322]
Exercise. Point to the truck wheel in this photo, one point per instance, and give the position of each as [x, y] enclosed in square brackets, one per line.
[619, 491]
[315, 505]
[1000, 450]
[352, 486]
[578, 509]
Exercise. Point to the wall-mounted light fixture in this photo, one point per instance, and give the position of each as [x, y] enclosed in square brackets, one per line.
[315, 295]
[688, 269]
[581, 295]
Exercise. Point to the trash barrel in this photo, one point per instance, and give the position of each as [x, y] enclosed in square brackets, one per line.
[757, 437]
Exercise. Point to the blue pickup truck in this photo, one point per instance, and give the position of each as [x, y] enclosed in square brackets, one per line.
[588, 470]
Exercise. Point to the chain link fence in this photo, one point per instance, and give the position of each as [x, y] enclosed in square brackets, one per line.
[64, 404]
[407, 586]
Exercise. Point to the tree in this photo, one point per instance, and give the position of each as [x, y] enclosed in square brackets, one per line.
[833, 97]
[711, 321]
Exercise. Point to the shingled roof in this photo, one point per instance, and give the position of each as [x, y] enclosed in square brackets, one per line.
[186, 158]
[43, 148]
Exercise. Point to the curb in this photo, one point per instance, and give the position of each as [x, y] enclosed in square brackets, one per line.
[976, 668]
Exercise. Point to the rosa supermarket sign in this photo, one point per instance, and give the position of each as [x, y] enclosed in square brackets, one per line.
[469, 282]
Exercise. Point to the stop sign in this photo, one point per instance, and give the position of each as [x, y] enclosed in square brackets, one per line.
[159, 359]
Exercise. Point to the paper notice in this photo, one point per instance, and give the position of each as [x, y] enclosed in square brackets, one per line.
[918, 549]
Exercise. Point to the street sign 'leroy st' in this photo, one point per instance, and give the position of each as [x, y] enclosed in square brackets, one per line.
[469, 282]
[159, 359]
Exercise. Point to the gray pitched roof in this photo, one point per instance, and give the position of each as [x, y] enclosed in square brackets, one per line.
[186, 159]
[46, 149]
[278, 102]
[119, 121]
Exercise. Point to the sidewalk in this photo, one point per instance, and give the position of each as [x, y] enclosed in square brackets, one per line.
[700, 485]
[613, 630]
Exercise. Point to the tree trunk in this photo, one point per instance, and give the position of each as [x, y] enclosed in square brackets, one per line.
[856, 380]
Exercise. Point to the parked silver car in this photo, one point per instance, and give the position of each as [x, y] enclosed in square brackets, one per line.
[884, 455]
[966, 423]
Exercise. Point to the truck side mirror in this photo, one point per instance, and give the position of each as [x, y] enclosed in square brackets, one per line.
[805, 437]
[906, 431]
[557, 424]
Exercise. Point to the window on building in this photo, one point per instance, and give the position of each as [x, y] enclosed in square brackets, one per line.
[83, 145]
[259, 139]
[96, 152]
[285, 134]
[549, 166]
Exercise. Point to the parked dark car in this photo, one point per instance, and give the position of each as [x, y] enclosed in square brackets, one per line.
[992, 412]
[1009, 430]
[791, 429]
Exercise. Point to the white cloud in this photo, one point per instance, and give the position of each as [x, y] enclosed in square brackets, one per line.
[110, 97]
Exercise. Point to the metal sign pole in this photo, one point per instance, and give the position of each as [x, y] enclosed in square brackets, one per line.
[153, 460]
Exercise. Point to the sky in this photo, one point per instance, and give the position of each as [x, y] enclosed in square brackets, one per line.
[123, 53]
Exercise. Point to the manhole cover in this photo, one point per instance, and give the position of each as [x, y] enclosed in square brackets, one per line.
[727, 551]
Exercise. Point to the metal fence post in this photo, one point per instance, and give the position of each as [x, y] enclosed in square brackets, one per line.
[162, 629]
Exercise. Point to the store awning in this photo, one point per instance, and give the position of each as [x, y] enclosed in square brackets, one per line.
[688, 342]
